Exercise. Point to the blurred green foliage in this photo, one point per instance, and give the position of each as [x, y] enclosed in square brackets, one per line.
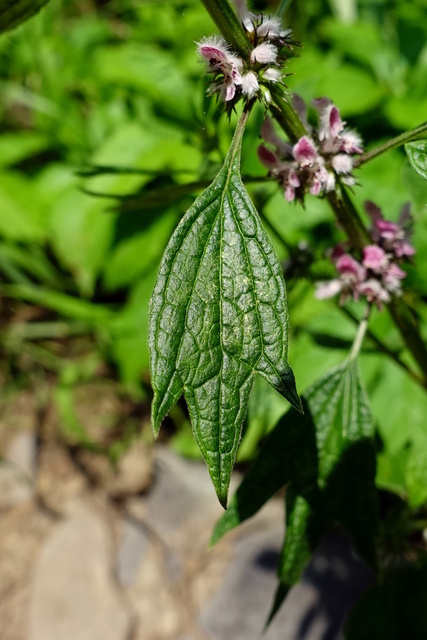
[106, 135]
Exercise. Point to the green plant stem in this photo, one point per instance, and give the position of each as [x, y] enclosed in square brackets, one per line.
[381, 346]
[349, 219]
[283, 7]
[345, 211]
[409, 136]
[286, 116]
[229, 25]
[358, 341]
[241, 125]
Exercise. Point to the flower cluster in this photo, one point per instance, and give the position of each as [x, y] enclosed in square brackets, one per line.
[232, 76]
[378, 276]
[313, 163]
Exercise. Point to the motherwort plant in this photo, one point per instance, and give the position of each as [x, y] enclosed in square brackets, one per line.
[219, 311]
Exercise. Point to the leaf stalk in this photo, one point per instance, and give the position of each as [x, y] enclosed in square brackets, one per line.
[361, 332]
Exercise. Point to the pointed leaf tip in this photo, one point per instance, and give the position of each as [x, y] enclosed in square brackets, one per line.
[223, 500]
[290, 391]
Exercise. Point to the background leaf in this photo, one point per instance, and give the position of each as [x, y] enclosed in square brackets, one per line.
[417, 154]
[13, 12]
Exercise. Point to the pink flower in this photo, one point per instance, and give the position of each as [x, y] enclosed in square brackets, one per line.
[293, 179]
[330, 125]
[374, 292]
[332, 131]
[391, 236]
[329, 289]
[375, 258]
[351, 142]
[347, 265]
[221, 61]
[352, 275]
[268, 158]
[392, 278]
[289, 193]
[318, 158]
[304, 151]
[377, 278]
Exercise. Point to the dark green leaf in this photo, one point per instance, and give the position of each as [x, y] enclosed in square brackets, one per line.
[326, 458]
[218, 315]
[303, 534]
[346, 478]
[395, 609]
[417, 154]
[13, 12]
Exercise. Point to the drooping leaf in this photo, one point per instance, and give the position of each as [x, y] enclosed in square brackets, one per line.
[304, 532]
[13, 12]
[346, 478]
[326, 458]
[218, 315]
[417, 154]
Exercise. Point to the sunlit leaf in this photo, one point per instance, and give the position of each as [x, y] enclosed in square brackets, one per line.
[218, 315]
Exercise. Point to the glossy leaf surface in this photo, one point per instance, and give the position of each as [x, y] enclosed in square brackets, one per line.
[218, 315]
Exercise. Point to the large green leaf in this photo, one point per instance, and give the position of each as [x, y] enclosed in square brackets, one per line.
[417, 154]
[13, 12]
[218, 315]
[326, 458]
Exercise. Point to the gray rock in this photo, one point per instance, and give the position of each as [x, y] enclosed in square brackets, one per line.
[314, 610]
[181, 489]
[240, 608]
[74, 595]
[132, 548]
